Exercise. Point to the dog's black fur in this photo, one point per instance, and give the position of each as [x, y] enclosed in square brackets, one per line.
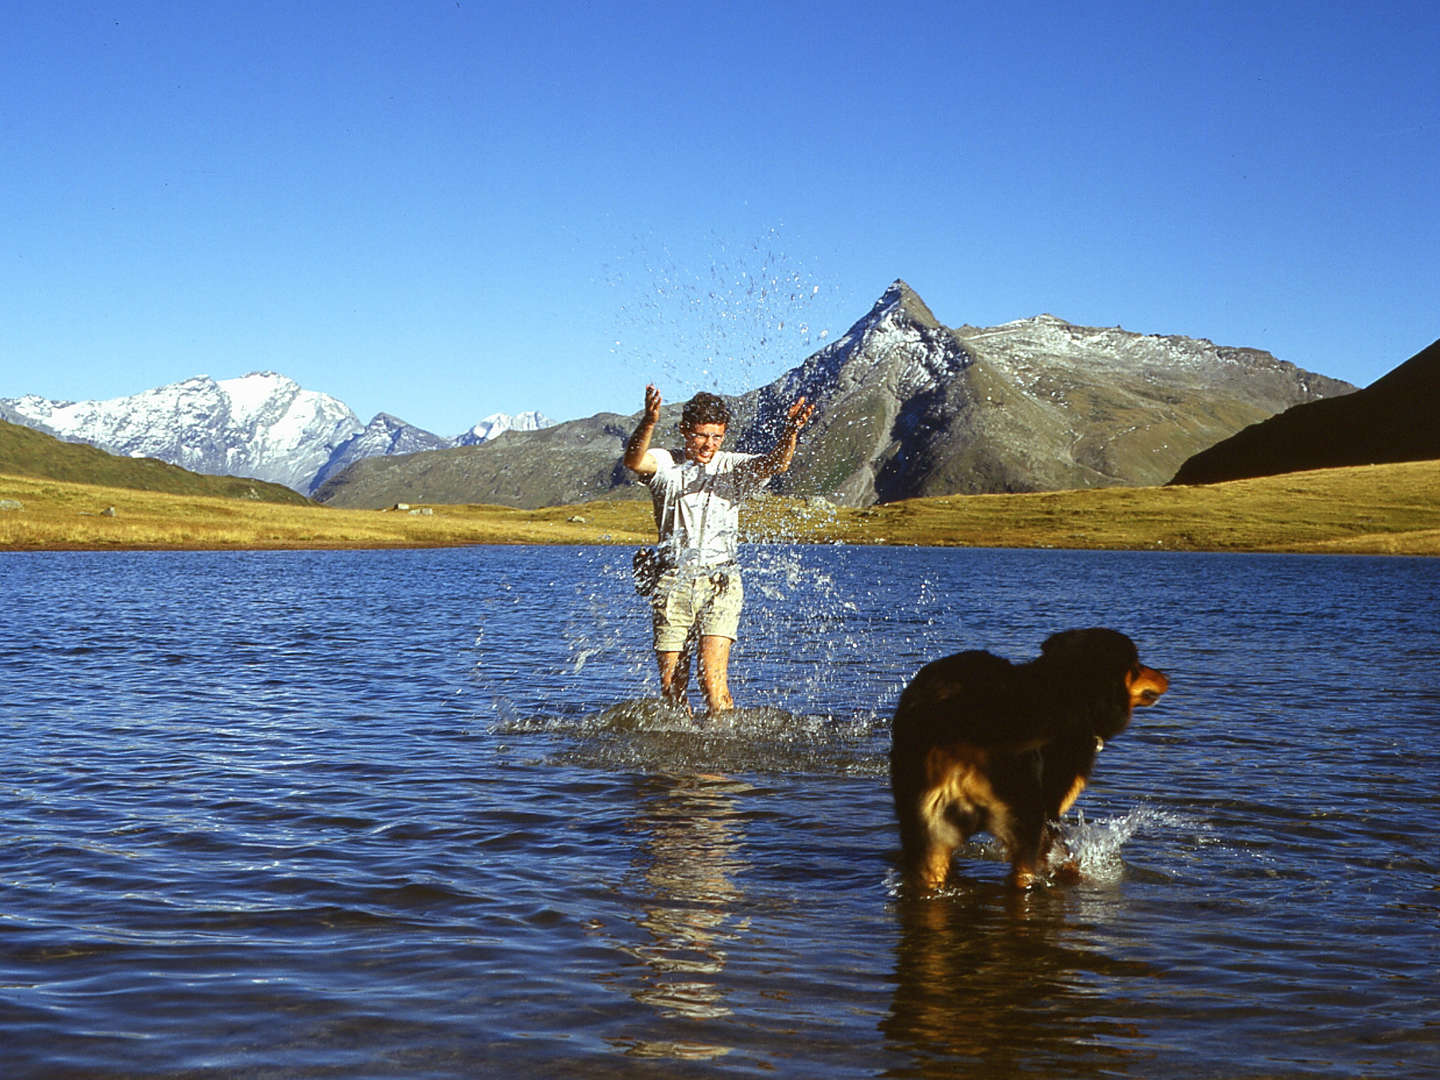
[981, 744]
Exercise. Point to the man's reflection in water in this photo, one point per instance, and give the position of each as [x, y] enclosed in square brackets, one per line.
[998, 983]
[690, 855]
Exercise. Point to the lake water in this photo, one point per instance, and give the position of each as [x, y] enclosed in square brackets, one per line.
[411, 814]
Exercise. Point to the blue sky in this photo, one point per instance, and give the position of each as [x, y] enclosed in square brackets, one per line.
[444, 210]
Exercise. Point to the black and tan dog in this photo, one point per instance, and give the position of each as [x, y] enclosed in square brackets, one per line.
[983, 745]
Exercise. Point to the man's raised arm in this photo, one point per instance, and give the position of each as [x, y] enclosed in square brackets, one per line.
[638, 458]
[778, 459]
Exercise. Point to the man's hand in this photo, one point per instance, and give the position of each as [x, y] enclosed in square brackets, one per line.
[778, 459]
[652, 405]
[798, 416]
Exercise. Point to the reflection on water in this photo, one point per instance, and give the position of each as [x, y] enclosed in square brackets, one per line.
[1006, 983]
[995, 982]
[691, 847]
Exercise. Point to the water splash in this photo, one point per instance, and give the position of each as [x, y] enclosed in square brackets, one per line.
[651, 736]
[728, 321]
[1096, 846]
[1093, 848]
[801, 649]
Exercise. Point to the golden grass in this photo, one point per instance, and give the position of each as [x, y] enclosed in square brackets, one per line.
[1373, 509]
[1378, 509]
[60, 516]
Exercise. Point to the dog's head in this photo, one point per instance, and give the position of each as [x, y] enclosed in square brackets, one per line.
[1105, 658]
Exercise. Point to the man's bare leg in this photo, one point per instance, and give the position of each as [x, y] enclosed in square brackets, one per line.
[675, 677]
[715, 672]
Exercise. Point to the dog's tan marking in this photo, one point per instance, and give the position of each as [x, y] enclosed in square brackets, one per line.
[956, 781]
[1074, 793]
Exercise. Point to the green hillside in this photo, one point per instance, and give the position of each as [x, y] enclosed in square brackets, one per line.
[26, 452]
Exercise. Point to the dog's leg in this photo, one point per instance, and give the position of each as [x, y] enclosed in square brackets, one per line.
[1017, 817]
[1066, 767]
[933, 867]
[932, 828]
[928, 842]
[1026, 839]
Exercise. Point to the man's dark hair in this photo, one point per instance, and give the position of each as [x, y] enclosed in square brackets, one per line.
[705, 408]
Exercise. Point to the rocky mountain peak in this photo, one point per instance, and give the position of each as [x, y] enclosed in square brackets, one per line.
[385, 425]
[901, 297]
[899, 341]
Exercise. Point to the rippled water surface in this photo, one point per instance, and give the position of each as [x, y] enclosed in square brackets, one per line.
[415, 814]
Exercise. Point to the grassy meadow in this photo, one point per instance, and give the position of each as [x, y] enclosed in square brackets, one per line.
[1377, 509]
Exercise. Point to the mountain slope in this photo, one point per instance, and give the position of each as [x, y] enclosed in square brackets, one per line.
[262, 425]
[568, 462]
[27, 452]
[907, 407]
[383, 436]
[1395, 418]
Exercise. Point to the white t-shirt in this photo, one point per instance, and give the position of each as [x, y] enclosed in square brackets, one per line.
[697, 507]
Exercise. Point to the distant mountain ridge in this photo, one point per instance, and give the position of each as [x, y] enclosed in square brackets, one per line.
[1395, 418]
[262, 425]
[907, 407]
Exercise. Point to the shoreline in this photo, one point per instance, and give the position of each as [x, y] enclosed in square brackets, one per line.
[1380, 551]
[1361, 510]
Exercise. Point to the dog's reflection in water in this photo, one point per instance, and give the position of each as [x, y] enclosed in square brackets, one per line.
[993, 982]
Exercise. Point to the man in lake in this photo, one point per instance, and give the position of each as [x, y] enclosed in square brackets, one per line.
[697, 491]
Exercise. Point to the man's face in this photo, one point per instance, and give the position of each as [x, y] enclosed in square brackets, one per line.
[702, 440]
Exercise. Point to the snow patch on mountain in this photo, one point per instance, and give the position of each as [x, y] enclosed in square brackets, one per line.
[899, 344]
[498, 423]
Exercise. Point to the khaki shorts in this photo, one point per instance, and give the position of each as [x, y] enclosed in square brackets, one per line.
[708, 603]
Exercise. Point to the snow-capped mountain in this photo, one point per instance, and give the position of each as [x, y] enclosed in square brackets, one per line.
[262, 425]
[499, 423]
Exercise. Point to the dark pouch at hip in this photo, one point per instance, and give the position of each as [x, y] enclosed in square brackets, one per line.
[646, 566]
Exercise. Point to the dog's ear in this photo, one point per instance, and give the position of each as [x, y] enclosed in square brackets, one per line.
[1056, 642]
